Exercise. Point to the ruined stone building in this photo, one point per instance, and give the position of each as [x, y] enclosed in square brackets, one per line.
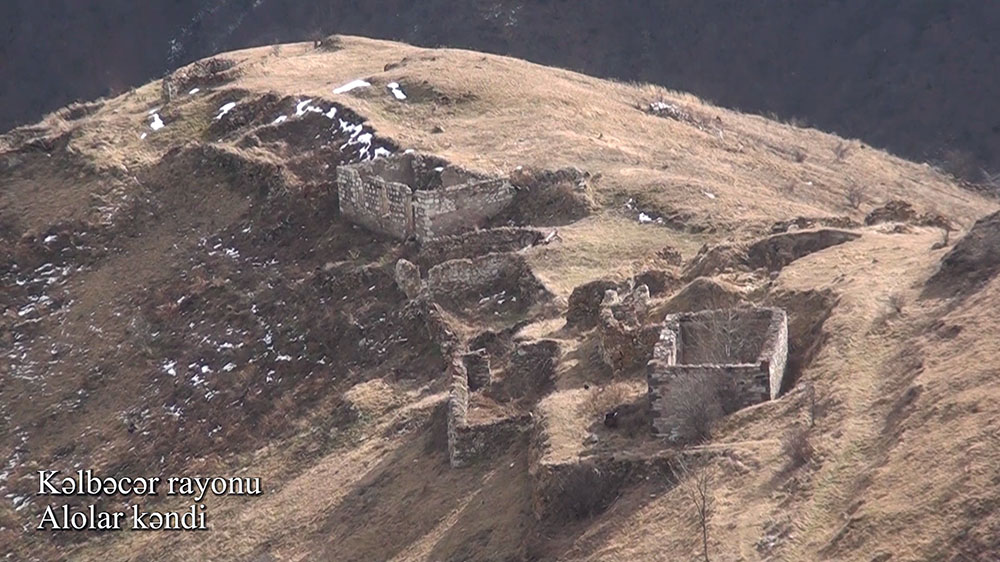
[409, 194]
[745, 348]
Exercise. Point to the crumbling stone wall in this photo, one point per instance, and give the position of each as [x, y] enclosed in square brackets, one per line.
[691, 345]
[454, 280]
[459, 208]
[407, 277]
[584, 309]
[626, 342]
[469, 443]
[531, 371]
[584, 488]
[403, 196]
[380, 205]
[203, 73]
[476, 243]
[483, 273]
[477, 365]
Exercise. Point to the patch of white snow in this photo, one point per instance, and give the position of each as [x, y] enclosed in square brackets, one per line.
[352, 85]
[396, 90]
[301, 107]
[225, 109]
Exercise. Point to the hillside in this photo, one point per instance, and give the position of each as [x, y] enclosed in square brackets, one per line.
[913, 79]
[183, 296]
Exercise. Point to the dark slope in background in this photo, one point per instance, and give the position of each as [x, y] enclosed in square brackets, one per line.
[915, 77]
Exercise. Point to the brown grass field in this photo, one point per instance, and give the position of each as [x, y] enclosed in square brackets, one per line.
[349, 442]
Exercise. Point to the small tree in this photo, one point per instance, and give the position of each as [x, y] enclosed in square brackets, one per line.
[841, 151]
[697, 488]
[697, 401]
[855, 196]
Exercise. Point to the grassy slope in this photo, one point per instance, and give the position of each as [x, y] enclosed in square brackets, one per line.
[897, 470]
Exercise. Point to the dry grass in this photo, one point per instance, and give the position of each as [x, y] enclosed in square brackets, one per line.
[907, 447]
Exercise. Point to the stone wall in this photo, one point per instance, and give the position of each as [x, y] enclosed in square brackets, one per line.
[585, 303]
[403, 196]
[462, 276]
[469, 443]
[458, 208]
[475, 243]
[755, 374]
[477, 365]
[586, 487]
[407, 277]
[625, 341]
[380, 205]
[749, 381]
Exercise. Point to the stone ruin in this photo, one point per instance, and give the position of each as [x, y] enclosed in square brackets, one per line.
[412, 195]
[483, 418]
[462, 281]
[748, 347]
[625, 340]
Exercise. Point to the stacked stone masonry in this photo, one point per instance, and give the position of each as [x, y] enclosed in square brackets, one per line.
[403, 196]
[477, 365]
[626, 342]
[479, 274]
[469, 443]
[749, 346]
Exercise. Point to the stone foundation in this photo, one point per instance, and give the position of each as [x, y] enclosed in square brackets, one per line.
[747, 347]
[485, 274]
[469, 443]
[475, 243]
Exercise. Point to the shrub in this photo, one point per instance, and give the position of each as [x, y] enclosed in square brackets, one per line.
[602, 400]
[895, 302]
[797, 447]
[696, 402]
[841, 151]
[855, 196]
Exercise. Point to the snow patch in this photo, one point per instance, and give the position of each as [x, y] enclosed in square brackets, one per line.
[396, 90]
[300, 108]
[280, 119]
[225, 109]
[157, 123]
[194, 91]
[352, 85]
